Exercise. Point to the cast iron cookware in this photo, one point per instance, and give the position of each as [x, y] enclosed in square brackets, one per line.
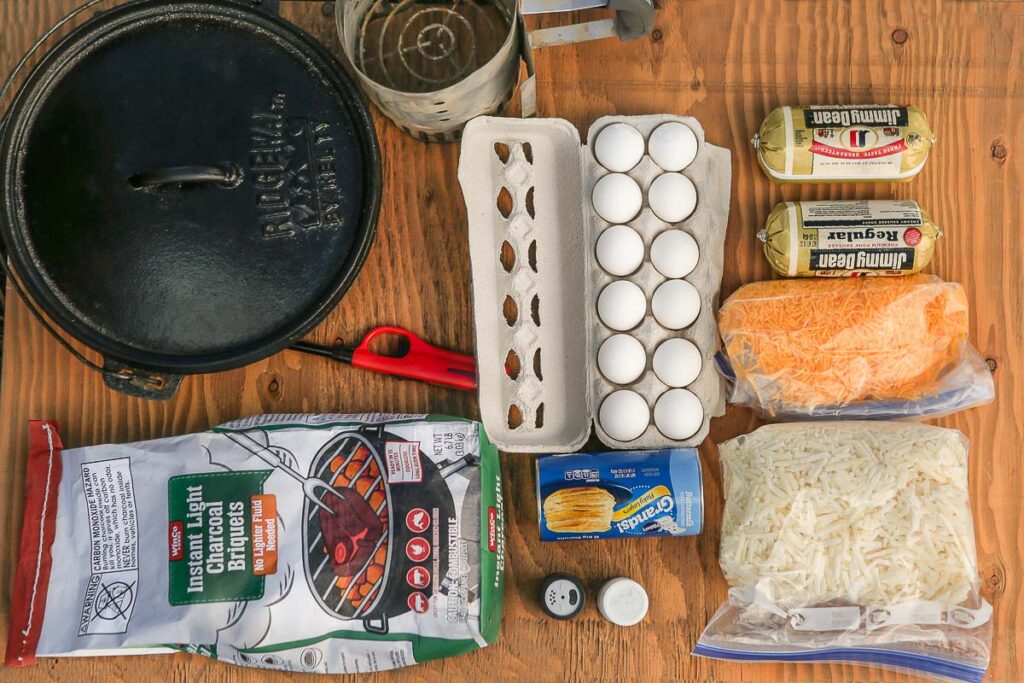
[188, 187]
[355, 456]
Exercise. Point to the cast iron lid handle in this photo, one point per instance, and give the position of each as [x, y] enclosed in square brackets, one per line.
[225, 175]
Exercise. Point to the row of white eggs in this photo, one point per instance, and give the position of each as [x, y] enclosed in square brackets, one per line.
[618, 198]
[619, 146]
[620, 252]
[625, 415]
[622, 359]
[622, 305]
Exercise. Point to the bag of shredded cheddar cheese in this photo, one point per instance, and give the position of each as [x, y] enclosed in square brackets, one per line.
[853, 348]
[850, 542]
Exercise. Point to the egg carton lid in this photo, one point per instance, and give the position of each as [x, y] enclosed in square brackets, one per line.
[541, 168]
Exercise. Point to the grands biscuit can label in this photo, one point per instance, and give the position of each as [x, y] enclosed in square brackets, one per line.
[848, 238]
[620, 494]
[843, 142]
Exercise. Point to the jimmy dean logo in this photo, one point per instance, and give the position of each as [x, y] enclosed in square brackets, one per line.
[572, 475]
[293, 169]
[844, 118]
[862, 235]
[854, 259]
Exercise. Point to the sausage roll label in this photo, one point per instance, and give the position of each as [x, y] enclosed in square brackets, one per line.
[848, 238]
[876, 142]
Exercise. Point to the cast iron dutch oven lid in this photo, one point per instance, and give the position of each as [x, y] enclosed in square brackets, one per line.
[189, 186]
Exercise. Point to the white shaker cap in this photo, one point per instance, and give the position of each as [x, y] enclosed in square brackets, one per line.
[623, 601]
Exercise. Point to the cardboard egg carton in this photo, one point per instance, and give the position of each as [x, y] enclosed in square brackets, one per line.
[527, 184]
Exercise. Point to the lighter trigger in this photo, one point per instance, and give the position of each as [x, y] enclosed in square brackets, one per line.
[404, 342]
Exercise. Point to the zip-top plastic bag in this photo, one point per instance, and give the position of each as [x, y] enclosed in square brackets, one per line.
[850, 542]
[853, 348]
[316, 543]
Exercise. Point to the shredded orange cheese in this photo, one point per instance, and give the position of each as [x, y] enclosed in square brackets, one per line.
[809, 343]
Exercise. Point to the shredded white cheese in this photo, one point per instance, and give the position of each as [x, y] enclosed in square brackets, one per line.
[858, 512]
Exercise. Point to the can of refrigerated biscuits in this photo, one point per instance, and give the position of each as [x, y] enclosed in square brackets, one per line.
[620, 494]
[848, 238]
[843, 143]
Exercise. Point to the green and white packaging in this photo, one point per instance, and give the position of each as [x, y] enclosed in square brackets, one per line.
[318, 543]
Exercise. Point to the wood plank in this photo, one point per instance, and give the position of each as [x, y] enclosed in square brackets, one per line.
[728, 63]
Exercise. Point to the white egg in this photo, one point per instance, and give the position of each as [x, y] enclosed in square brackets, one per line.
[672, 197]
[620, 250]
[673, 146]
[624, 415]
[619, 147]
[678, 414]
[675, 304]
[621, 305]
[674, 253]
[621, 358]
[617, 198]
[677, 362]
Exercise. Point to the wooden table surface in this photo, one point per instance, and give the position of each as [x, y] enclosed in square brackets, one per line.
[727, 63]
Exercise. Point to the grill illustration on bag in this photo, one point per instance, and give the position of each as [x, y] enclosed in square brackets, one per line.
[375, 523]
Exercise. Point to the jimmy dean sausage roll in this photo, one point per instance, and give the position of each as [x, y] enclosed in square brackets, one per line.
[848, 238]
[843, 142]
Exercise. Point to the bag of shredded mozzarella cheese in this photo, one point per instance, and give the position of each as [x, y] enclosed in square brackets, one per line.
[850, 542]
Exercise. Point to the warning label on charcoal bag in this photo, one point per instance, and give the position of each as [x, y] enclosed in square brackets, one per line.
[114, 543]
